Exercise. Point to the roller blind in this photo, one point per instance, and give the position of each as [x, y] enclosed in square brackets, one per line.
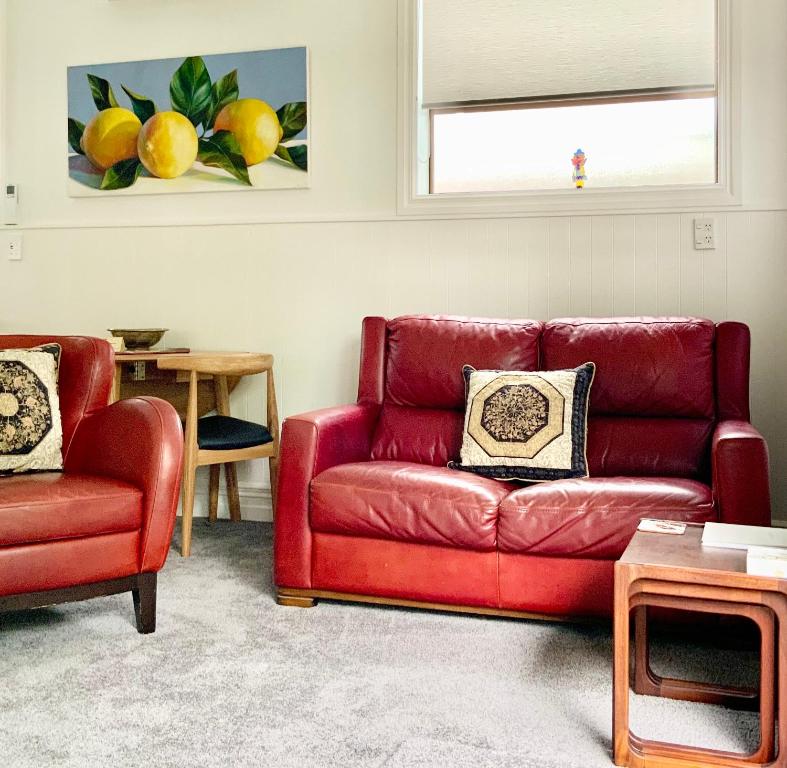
[486, 50]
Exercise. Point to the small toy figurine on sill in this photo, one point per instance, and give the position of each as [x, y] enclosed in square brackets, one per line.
[578, 161]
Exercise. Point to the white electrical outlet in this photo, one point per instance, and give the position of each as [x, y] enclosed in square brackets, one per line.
[14, 248]
[704, 234]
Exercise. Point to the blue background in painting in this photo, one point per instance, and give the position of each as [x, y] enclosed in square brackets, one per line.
[277, 76]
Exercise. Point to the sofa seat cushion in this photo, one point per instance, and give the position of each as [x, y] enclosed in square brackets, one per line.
[47, 506]
[595, 517]
[408, 502]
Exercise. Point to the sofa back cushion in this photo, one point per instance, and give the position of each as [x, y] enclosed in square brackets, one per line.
[652, 404]
[423, 394]
[84, 379]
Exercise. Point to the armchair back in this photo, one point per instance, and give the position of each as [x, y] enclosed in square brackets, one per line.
[85, 378]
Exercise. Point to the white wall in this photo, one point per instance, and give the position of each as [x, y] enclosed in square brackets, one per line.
[299, 288]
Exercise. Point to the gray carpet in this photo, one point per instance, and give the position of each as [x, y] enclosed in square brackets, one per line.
[232, 679]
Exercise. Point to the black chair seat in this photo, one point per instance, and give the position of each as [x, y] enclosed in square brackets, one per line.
[225, 433]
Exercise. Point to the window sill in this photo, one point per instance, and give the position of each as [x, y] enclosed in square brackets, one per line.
[571, 201]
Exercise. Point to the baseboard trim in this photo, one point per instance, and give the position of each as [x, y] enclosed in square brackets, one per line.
[256, 503]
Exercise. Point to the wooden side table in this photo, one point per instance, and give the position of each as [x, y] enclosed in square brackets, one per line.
[137, 373]
[677, 572]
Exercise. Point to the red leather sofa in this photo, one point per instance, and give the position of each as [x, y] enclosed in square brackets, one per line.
[367, 510]
[103, 525]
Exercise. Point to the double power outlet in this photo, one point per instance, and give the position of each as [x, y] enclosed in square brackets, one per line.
[704, 234]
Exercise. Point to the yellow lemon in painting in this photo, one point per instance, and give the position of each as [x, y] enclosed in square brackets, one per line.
[255, 125]
[167, 145]
[111, 136]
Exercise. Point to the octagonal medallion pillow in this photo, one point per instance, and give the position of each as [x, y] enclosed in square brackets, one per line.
[31, 435]
[526, 425]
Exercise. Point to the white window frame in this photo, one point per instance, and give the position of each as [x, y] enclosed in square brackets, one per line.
[413, 148]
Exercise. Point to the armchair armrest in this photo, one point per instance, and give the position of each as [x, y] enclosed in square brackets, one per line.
[139, 441]
[310, 444]
[739, 460]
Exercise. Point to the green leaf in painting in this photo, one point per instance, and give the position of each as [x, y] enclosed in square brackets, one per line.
[103, 95]
[122, 174]
[143, 107]
[75, 131]
[223, 151]
[298, 155]
[292, 117]
[190, 90]
[224, 91]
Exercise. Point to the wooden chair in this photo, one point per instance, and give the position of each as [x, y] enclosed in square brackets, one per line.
[223, 439]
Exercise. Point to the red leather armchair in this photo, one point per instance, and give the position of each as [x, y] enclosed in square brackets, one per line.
[367, 510]
[103, 525]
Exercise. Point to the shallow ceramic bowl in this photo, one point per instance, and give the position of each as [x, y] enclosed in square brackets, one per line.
[139, 338]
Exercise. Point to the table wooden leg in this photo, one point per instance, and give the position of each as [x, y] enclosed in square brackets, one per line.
[189, 467]
[273, 470]
[620, 667]
[643, 753]
[213, 492]
[644, 684]
[233, 497]
[114, 393]
[648, 683]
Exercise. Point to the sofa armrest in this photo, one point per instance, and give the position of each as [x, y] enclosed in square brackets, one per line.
[138, 441]
[739, 460]
[310, 444]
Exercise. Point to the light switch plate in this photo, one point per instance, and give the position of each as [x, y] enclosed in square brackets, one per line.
[14, 247]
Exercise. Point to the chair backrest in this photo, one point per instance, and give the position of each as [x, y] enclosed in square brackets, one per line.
[218, 363]
[661, 383]
[85, 377]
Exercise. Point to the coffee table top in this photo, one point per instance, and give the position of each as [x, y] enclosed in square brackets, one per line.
[683, 558]
[682, 551]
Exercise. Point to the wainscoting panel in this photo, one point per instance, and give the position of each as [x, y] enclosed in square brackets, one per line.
[301, 290]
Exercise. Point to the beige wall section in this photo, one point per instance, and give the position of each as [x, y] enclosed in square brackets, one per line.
[352, 46]
[299, 290]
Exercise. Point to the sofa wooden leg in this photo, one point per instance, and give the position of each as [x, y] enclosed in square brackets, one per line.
[295, 601]
[144, 595]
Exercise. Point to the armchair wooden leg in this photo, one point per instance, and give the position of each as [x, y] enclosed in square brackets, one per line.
[233, 498]
[144, 595]
[213, 492]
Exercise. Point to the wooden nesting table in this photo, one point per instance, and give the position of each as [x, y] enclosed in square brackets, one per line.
[668, 571]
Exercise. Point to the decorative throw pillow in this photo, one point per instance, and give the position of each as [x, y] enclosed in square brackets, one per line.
[526, 425]
[31, 434]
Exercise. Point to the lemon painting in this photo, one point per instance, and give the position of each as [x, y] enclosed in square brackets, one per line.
[225, 122]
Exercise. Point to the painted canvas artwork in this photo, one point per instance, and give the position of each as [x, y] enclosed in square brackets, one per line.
[226, 122]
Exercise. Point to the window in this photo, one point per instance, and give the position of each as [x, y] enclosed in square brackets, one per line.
[498, 95]
[628, 143]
